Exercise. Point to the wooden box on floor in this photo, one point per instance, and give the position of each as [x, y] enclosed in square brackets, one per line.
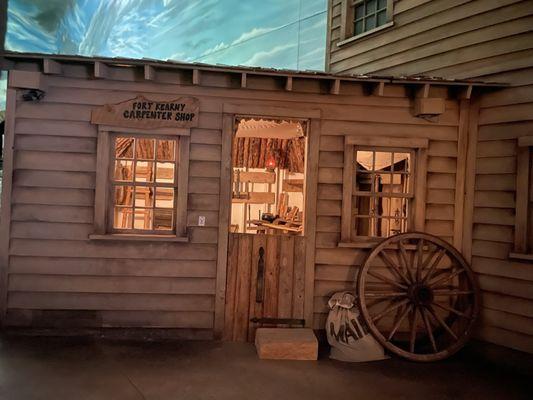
[286, 344]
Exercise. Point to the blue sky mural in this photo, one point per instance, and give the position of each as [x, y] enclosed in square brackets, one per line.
[267, 33]
[288, 34]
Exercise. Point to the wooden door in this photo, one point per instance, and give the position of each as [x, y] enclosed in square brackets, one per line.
[276, 292]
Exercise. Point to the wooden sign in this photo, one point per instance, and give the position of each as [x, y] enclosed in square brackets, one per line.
[143, 113]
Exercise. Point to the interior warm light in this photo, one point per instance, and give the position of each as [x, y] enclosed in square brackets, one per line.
[270, 163]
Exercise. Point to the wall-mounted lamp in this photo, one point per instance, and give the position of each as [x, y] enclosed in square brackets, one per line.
[33, 95]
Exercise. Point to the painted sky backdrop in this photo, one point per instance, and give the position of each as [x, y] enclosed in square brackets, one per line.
[267, 33]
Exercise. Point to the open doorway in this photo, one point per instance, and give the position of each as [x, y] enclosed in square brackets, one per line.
[268, 176]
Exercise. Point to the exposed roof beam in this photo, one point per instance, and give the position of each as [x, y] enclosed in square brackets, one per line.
[335, 87]
[100, 70]
[51, 67]
[196, 74]
[288, 84]
[149, 72]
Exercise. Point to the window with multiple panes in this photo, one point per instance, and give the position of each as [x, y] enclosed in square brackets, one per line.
[143, 184]
[361, 16]
[383, 189]
[369, 14]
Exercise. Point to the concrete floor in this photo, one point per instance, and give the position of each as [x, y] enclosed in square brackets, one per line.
[79, 369]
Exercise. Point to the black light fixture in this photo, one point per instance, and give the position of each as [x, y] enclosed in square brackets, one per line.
[33, 95]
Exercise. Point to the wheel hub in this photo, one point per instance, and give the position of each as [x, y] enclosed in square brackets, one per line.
[421, 295]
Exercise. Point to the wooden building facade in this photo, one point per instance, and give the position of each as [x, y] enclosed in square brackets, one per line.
[67, 265]
[487, 40]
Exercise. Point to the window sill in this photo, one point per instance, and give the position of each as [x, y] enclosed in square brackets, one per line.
[365, 34]
[521, 256]
[139, 238]
[363, 244]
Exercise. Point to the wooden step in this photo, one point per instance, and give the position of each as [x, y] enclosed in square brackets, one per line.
[286, 344]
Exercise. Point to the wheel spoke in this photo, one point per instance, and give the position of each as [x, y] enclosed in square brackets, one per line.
[441, 322]
[434, 264]
[390, 309]
[428, 329]
[398, 322]
[446, 278]
[385, 279]
[452, 310]
[384, 294]
[390, 263]
[404, 260]
[451, 292]
[412, 340]
[418, 259]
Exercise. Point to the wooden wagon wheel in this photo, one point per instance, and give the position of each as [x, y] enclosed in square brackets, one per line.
[418, 296]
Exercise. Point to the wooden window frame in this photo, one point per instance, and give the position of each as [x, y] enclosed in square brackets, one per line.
[417, 207]
[347, 33]
[103, 196]
[523, 235]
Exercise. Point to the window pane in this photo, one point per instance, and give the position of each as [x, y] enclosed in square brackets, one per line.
[364, 182]
[365, 160]
[124, 147]
[144, 149]
[359, 27]
[165, 172]
[164, 198]
[123, 170]
[123, 195]
[382, 4]
[163, 220]
[360, 11]
[370, 22]
[143, 218]
[383, 161]
[144, 171]
[371, 6]
[382, 18]
[123, 218]
[144, 196]
[165, 150]
[402, 161]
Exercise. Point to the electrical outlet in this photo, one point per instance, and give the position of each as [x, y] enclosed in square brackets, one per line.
[201, 220]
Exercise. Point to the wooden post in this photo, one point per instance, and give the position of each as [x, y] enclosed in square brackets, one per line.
[311, 183]
[470, 181]
[7, 188]
[421, 189]
[347, 190]
[223, 224]
[460, 175]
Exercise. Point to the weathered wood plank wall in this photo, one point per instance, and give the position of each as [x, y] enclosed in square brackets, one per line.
[459, 38]
[491, 41]
[58, 277]
[507, 284]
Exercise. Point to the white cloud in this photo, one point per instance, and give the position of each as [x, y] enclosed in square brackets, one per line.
[262, 58]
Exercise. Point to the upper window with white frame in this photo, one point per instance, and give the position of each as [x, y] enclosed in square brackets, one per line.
[362, 16]
[143, 184]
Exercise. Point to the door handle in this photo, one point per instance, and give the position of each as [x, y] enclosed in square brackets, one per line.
[260, 279]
